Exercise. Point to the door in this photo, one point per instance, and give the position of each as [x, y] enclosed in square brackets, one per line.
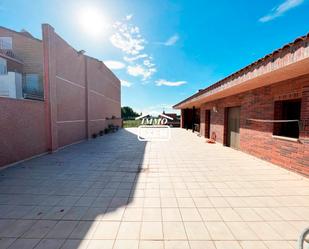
[233, 124]
[207, 123]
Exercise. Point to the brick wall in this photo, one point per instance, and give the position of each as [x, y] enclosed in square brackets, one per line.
[104, 92]
[29, 50]
[81, 97]
[22, 129]
[82, 93]
[256, 137]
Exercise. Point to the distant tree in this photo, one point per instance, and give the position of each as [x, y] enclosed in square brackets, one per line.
[128, 113]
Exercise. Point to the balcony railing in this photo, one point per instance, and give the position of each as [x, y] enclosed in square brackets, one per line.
[6, 49]
[33, 87]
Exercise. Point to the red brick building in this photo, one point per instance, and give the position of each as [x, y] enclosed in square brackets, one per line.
[263, 109]
[79, 96]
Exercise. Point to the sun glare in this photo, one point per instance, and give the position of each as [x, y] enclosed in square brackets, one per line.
[92, 21]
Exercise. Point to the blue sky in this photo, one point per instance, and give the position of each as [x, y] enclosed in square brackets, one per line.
[164, 51]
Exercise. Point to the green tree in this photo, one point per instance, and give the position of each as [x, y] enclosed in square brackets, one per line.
[128, 113]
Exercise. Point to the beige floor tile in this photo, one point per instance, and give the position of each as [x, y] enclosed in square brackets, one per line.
[171, 214]
[241, 231]
[169, 202]
[100, 244]
[151, 231]
[264, 231]
[267, 214]
[227, 245]
[228, 214]
[242, 201]
[136, 202]
[176, 244]
[253, 245]
[190, 214]
[133, 214]
[278, 245]
[202, 202]
[152, 202]
[174, 231]
[200, 244]
[219, 202]
[248, 214]
[126, 244]
[152, 214]
[106, 230]
[284, 229]
[129, 230]
[185, 202]
[209, 214]
[286, 213]
[113, 214]
[219, 231]
[196, 231]
[151, 244]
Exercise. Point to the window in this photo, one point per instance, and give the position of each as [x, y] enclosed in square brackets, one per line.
[3, 66]
[33, 87]
[5, 42]
[287, 110]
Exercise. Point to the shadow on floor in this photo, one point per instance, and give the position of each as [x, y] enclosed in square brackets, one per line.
[66, 194]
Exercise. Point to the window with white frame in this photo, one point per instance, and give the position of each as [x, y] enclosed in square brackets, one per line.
[6, 43]
[3, 66]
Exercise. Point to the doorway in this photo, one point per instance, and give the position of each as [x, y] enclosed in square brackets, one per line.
[233, 127]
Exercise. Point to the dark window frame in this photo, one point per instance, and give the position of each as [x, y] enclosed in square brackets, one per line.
[287, 110]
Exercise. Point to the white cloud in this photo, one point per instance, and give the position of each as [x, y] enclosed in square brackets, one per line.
[127, 37]
[281, 9]
[114, 64]
[129, 17]
[125, 83]
[168, 108]
[130, 59]
[139, 70]
[127, 43]
[163, 82]
[172, 40]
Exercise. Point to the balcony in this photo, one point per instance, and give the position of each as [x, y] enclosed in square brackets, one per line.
[6, 50]
[11, 85]
[33, 87]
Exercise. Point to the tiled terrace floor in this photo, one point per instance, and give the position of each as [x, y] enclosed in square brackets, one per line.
[189, 194]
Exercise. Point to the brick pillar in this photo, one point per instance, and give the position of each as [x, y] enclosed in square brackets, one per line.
[182, 118]
[50, 94]
[304, 115]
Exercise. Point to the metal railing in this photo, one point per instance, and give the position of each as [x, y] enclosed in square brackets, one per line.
[6, 49]
[33, 87]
